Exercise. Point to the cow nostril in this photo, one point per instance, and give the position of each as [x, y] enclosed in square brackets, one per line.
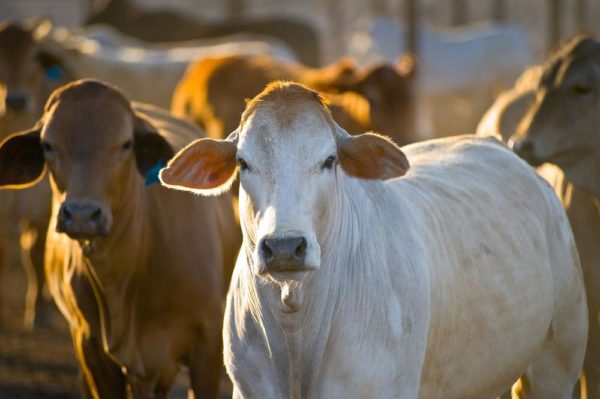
[66, 214]
[95, 216]
[266, 250]
[301, 248]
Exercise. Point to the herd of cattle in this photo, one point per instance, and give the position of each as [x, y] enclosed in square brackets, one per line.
[341, 265]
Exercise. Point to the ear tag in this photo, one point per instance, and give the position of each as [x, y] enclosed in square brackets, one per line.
[152, 174]
[54, 73]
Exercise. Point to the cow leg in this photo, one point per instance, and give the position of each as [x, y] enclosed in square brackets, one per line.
[555, 371]
[2, 271]
[102, 376]
[37, 308]
[206, 365]
[591, 365]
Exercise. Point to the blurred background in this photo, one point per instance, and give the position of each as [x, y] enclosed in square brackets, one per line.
[467, 52]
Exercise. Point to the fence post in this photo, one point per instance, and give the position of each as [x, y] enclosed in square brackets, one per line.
[235, 9]
[499, 11]
[580, 15]
[554, 23]
[412, 26]
[459, 12]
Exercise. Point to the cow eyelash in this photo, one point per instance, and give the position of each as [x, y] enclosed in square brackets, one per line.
[243, 164]
[328, 164]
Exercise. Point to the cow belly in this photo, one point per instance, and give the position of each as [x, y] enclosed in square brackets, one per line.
[488, 330]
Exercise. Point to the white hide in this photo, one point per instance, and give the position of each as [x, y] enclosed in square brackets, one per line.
[146, 75]
[451, 59]
[449, 282]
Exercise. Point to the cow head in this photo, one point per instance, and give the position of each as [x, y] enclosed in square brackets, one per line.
[95, 147]
[390, 92]
[562, 126]
[292, 159]
[26, 73]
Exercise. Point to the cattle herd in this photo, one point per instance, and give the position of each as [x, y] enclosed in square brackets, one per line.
[198, 194]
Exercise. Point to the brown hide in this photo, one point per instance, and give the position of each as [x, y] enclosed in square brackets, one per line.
[143, 293]
[168, 26]
[213, 91]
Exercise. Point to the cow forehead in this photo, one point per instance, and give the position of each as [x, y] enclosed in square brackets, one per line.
[576, 60]
[280, 131]
[88, 122]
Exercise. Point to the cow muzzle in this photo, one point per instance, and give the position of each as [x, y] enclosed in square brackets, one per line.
[83, 220]
[283, 255]
[525, 149]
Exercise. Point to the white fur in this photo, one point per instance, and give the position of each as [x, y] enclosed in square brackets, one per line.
[452, 281]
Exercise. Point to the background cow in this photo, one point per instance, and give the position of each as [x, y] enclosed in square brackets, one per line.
[141, 291]
[165, 26]
[27, 77]
[561, 128]
[380, 98]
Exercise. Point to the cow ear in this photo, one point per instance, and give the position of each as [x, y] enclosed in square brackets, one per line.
[370, 156]
[152, 151]
[22, 162]
[408, 65]
[205, 166]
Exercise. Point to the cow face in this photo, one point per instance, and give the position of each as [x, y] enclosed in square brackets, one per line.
[562, 125]
[91, 142]
[291, 158]
[25, 74]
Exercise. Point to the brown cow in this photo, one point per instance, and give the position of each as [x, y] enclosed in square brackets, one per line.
[142, 292]
[213, 91]
[27, 77]
[168, 26]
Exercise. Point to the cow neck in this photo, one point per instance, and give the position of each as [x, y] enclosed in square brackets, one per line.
[341, 291]
[117, 265]
[585, 173]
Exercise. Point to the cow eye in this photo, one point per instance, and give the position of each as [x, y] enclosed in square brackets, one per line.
[328, 164]
[127, 145]
[581, 90]
[47, 147]
[242, 163]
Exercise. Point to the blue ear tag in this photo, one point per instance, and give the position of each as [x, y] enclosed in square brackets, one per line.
[152, 174]
[54, 73]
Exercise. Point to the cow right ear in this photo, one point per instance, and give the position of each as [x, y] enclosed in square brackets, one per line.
[22, 162]
[206, 167]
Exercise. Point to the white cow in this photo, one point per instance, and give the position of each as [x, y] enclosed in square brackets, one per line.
[363, 277]
[146, 75]
[461, 69]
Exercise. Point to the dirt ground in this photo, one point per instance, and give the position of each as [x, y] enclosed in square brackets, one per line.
[41, 364]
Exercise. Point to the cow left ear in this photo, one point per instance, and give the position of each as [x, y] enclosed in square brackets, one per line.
[370, 156]
[152, 151]
[22, 162]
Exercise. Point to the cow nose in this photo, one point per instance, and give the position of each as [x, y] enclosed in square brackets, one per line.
[82, 220]
[15, 102]
[283, 254]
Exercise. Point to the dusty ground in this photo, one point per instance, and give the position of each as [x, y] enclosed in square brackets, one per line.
[41, 364]
[38, 364]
